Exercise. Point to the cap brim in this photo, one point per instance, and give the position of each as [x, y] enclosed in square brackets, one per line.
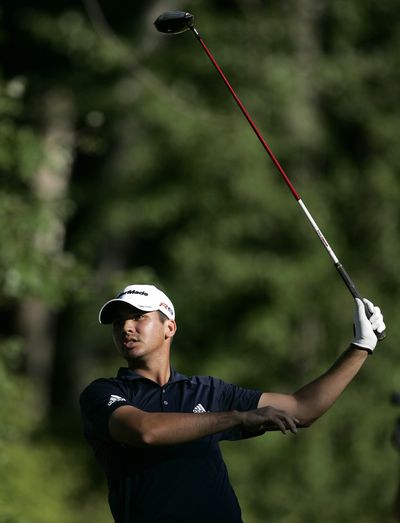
[110, 310]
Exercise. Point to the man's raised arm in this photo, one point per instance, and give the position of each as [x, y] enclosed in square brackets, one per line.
[311, 401]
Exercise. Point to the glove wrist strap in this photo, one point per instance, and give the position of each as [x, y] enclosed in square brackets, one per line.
[360, 347]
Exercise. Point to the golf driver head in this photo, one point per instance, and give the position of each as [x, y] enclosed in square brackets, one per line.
[174, 22]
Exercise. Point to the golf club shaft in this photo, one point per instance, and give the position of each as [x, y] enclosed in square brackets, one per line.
[341, 270]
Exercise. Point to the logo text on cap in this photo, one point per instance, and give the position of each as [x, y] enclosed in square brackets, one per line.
[143, 293]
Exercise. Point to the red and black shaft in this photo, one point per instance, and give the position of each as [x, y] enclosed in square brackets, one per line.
[174, 22]
[246, 114]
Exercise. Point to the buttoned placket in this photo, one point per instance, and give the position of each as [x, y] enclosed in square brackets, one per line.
[164, 401]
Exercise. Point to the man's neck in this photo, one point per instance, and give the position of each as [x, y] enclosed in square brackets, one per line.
[159, 372]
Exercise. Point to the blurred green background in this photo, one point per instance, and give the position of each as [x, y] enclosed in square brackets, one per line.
[123, 159]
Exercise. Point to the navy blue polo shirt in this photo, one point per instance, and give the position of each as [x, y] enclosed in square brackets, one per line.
[175, 483]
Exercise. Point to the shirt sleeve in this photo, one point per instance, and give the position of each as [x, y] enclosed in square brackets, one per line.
[233, 397]
[97, 402]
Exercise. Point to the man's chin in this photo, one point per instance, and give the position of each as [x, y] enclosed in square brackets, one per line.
[133, 354]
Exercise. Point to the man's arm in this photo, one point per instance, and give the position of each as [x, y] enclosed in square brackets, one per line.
[311, 401]
[136, 427]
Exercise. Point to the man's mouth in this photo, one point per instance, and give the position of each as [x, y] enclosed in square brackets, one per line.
[130, 342]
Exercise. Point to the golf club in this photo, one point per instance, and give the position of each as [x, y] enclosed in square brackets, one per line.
[174, 22]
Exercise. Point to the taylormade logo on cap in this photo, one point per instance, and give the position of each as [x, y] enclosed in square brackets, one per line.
[143, 297]
[134, 291]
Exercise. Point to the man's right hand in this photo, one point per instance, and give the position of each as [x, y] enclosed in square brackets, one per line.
[268, 418]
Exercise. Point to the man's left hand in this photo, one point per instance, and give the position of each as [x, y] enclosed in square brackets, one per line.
[364, 336]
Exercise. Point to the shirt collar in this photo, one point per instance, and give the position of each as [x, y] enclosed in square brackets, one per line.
[175, 376]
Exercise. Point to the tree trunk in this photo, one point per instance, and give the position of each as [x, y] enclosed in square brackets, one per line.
[49, 186]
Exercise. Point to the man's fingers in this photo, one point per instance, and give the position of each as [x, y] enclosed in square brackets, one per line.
[280, 424]
[269, 418]
[286, 422]
[376, 318]
[370, 305]
[292, 425]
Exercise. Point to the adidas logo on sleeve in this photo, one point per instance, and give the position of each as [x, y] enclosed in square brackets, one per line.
[114, 398]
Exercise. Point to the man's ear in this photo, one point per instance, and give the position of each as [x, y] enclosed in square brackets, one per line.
[170, 328]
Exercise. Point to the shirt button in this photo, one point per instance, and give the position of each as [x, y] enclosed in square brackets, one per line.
[165, 402]
[163, 391]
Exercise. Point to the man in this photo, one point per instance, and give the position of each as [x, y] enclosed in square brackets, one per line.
[156, 432]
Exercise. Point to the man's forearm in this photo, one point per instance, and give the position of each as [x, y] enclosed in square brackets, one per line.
[139, 428]
[316, 397]
[173, 428]
[311, 401]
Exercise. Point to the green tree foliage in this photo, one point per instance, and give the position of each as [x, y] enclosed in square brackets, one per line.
[123, 158]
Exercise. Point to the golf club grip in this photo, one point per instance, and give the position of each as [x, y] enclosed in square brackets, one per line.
[354, 292]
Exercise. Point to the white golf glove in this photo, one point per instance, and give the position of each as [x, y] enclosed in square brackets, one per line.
[364, 335]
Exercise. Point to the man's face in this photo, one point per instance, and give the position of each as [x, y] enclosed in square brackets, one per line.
[141, 335]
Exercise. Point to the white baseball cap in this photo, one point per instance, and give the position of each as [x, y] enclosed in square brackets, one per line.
[143, 297]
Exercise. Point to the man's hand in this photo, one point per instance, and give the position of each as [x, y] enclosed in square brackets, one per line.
[364, 336]
[268, 418]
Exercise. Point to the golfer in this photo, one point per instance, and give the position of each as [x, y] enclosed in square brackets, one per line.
[156, 432]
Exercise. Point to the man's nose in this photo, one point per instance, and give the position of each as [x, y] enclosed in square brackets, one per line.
[130, 326]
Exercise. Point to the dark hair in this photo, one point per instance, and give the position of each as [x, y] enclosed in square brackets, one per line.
[162, 316]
